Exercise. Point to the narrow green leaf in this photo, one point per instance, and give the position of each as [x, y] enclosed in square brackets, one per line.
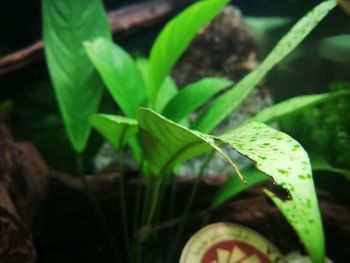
[175, 38]
[66, 24]
[120, 74]
[319, 163]
[281, 157]
[336, 48]
[166, 92]
[118, 130]
[234, 186]
[193, 96]
[229, 101]
[294, 106]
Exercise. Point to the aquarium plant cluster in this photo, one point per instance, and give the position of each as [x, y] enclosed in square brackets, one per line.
[153, 121]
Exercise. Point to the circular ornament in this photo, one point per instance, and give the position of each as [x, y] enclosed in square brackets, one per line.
[229, 243]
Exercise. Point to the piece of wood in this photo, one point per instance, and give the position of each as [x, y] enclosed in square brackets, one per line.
[124, 21]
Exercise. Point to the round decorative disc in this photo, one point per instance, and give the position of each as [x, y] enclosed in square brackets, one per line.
[229, 243]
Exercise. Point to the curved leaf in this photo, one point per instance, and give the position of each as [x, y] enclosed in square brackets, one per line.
[175, 38]
[118, 130]
[293, 106]
[276, 154]
[166, 143]
[120, 74]
[281, 157]
[229, 101]
[193, 96]
[66, 24]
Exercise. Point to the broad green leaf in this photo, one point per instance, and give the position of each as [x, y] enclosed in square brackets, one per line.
[281, 157]
[120, 74]
[229, 101]
[293, 106]
[234, 186]
[166, 143]
[66, 24]
[276, 154]
[175, 38]
[118, 130]
[193, 96]
[166, 92]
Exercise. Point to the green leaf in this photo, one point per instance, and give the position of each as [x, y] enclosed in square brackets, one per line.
[118, 130]
[175, 38]
[281, 157]
[166, 92]
[66, 24]
[120, 74]
[229, 101]
[166, 143]
[233, 186]
[276, 154]
[319, 163]
[193, 96]
[294, 106]
[336, 48]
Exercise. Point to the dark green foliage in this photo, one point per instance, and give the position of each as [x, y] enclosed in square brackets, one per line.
[325, 129]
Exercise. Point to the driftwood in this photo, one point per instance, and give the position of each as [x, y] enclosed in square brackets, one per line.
[123, 21]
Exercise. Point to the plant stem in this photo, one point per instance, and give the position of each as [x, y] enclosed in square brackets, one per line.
[189, 204]
[149, 186]
[137, 210]
[206, 217]
[92, 198]
[123, 209]
[172, 196]
[172, 202]
[137, 205]
[154, 198]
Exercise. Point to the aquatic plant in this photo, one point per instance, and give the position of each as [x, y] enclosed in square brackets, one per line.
[160, 142]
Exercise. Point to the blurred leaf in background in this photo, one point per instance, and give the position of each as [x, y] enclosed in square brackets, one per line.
[325, 129]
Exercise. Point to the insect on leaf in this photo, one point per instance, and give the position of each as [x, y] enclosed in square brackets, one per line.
[66, 24]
